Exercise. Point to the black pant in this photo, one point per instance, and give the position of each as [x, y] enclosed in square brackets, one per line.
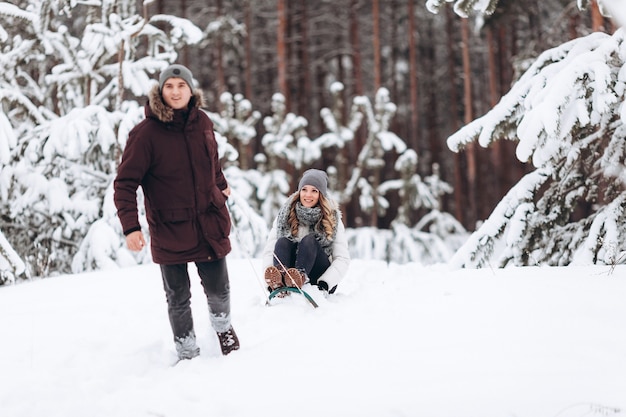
[306, 255]
[214, 278]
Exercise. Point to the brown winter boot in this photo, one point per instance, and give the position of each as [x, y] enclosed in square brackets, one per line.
[294, 278]
[273, 278]
[228, 341]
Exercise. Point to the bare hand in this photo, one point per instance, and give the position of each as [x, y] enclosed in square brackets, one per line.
[135, 241]
[226, 191]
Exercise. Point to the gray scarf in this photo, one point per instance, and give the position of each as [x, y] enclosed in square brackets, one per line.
[307, 216]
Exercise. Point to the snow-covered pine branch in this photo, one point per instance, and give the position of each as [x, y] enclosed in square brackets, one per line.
[11, 265]
[236, 119]
[10, 10]
[250, 230]
[273, 187]
[31, 112]
[182, 31]
[379, 140]
[414, 194]
[603, 243]
[478, 249]
[339, 133]
[8, 141]
[412, 245]
[225, 28]
[464, 8]
[286, 137]
[235, 122]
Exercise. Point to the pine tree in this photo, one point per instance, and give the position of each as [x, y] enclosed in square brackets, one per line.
[63, 105]
[340, 132]
[567, 114]
[427, 241]
[286, 138]
[370, 160]
[236, 122]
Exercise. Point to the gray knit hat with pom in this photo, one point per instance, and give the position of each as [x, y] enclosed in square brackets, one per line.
[316, 178]
[176, 71]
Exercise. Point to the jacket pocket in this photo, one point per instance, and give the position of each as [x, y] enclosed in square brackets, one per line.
[175, 230]
[218, 199]
[215, 221]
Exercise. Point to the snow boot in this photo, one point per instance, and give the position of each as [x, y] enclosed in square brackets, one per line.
[186, 347]
[273, 278]
[295, 278]
[228, 341]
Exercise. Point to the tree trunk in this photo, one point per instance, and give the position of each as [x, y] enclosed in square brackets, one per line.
[304, 84]
[281, 49]
[496, 148]
[459, 186]
[219, 53]
[355, 42]
[413, 128]
[248, 50]
[597, 20]
[470, 150]
[428, 149]
[573, 21]
[376, 43]
[185, 51]
[391, 80]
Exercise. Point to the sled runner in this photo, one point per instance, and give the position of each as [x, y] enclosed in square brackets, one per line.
[296, 290]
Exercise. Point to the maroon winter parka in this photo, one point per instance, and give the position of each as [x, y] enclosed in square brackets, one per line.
[174, 159]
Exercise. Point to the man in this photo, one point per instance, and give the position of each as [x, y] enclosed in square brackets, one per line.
[172, 155]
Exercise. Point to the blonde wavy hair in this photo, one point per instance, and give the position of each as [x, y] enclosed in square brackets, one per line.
[327, 223]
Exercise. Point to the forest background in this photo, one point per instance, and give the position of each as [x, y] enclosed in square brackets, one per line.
[441, 70]
[369, 90]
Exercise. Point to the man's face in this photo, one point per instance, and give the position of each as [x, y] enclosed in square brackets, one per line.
[176, 93]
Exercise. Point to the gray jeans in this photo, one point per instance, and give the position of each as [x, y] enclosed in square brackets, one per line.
[214, 279]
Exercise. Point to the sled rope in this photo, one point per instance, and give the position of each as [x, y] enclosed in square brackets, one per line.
[249, 258]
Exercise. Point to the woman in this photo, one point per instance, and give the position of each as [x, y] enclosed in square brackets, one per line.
[307, 242]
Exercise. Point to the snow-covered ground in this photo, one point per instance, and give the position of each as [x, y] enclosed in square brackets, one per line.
[396, 340]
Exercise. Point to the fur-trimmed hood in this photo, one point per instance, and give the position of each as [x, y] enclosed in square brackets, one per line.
[157, 108]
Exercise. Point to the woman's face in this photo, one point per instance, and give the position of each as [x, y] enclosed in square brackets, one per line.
[309, 196]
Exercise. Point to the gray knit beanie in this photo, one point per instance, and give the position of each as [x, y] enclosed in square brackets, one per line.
[316, 178]
[176, 71]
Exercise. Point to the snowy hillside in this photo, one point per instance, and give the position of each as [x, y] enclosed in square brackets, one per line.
[397, 340]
